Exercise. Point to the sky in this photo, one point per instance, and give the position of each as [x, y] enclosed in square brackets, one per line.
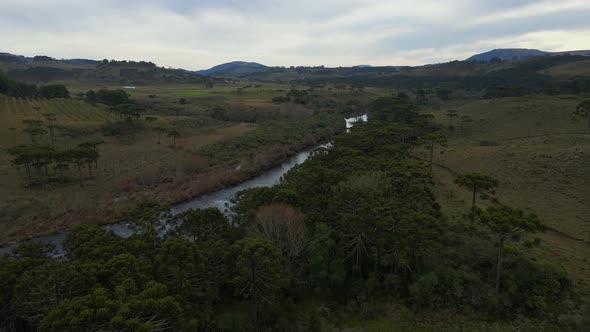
[199, 34]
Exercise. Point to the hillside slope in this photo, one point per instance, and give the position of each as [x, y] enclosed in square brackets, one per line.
[519, 53]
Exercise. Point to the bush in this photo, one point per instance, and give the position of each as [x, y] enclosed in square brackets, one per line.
[53, 91]
[120, 128]
[488, 143]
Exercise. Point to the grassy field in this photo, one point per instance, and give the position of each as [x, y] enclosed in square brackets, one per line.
[126, 166]
[134, 167]
[540, 153]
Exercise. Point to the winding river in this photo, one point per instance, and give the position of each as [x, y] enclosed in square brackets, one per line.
[219, 199]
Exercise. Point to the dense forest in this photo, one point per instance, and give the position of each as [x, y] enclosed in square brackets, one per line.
[24, 90]
[356, 224]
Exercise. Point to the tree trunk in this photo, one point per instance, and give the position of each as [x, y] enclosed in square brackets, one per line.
[159, 138]
[472, 216]
[90, 169]
[499, 268]
[80, 175]
[28, 170]
[431, 154]
[255, 309]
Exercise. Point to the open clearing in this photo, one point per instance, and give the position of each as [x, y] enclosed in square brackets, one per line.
[540, 153]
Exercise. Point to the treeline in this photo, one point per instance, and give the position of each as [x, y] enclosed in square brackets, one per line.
[355, 225]
[108, 97]
[147, 64]
[25, 90]
[45, 164]
[523, 75]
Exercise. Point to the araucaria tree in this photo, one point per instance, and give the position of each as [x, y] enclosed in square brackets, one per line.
[34, 129]
[583, 110]
[51, 119]
[160, 131]
[259, 271]
[507, 223]
[432, 140]
[149, 220]
[174, 134]
[477, 183]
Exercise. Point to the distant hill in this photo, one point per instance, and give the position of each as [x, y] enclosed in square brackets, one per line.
[43, 69]
[519, 53]
[235, 68]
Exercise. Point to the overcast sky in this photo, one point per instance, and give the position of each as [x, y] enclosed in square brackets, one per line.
[199, 34]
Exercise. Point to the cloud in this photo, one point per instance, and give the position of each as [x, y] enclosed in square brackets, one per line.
[200, 34]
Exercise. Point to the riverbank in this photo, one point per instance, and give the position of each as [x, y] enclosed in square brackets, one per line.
[214, 197]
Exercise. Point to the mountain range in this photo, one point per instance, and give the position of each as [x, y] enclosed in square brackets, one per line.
[19, 66]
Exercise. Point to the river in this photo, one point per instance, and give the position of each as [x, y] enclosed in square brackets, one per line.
[219, 199]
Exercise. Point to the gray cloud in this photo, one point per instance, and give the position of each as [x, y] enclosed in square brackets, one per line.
[199, 34]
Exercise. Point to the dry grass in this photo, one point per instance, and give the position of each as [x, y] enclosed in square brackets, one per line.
[128, 170]
[541, 159]
[574, 69]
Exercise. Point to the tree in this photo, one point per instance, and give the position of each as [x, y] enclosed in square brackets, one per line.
[444, 93]
[174, 134]
[151, 119]
[129, 112]
[149, 219]
[160, 131]
[51, 119]
[259, 271]
[32, 157]
[23, 156]
[109, 97]
[78, 156]
[62, 161]
[284, 226]
[427, 118]
[464, 120]
[53, 91]
[326, 267]
[506, 223]
[91, 97]
[89, 156]
[434, 139]
[34, 129]
[583, 110]
[421, 97]
[477, 183]
[202, 225]
[452, 114]
[12, 133]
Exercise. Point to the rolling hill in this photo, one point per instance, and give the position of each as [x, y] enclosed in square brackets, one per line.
[44, 69]
[235, 68]
[519, 53]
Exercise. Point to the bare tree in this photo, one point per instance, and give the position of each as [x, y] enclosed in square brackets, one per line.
[284, 226]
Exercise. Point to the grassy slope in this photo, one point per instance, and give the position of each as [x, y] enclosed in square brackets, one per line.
[576, 69]
[542, 161]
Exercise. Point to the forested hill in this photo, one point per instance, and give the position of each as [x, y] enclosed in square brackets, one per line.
[235, 69]
[519, 53]
[44, 69]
